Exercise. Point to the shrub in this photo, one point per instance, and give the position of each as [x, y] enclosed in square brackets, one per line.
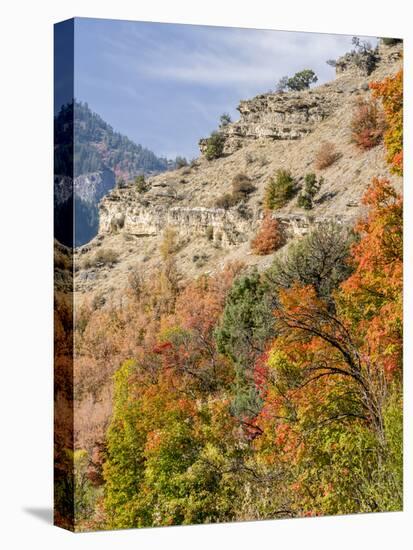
[227, 200]
[242, 184]
[282, 85]
[302, 80]
[181, 162]
[363, 55]
[215, 146]
[311, 187]
[269, 238]
[391, 41]
[320, 259]
[140, 184]
[106, 256]
[326, 155]
[367, 124]
[280, 189]
[224, 120]
[305, 201]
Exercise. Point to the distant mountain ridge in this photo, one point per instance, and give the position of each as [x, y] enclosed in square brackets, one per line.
[97, 146]
[88, 148]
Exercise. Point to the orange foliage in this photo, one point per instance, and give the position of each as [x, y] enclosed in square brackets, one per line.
[372, 296]
[270, 237]
[390, 91]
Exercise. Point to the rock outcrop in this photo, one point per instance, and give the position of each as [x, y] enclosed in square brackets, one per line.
[92, 187]
[225, 227]
[292, 115]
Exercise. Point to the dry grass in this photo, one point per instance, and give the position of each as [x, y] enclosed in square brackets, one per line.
[103, 257]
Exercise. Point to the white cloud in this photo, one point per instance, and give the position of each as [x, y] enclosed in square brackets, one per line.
[227, 56]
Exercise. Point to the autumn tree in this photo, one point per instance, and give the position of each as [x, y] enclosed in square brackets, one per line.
[390, 92]
[270, 236]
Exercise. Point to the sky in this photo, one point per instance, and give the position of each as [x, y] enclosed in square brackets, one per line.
[166, 85]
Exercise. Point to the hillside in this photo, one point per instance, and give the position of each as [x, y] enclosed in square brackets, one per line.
[275, 131]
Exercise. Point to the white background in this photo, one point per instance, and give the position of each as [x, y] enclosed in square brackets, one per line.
[26, 85]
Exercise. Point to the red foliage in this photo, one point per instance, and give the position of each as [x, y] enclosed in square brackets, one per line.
[367, 124]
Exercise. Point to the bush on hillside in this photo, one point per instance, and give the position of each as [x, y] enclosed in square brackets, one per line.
[367, 124]
[140, 184]
[215, 146]
[242, 184]
[311, 187]
[391, 41]
[270, 237]
[280, 189]
[326, 155]
[227, 200]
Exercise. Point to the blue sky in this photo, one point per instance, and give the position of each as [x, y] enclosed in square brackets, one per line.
[166, 85]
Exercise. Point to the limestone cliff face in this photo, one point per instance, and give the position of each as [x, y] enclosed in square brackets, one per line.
[283, 116]
[227, 228]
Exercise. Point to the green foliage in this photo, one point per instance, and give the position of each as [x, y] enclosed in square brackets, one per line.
[280, 189]
[250, 395]
[391, 41]
[301, 80]
[319, 259]
[246, 320]
[311, 188]
[141, 185]
[224, 120]
[245, 326]
[85, 494]
[215, 146]
[124, 468]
